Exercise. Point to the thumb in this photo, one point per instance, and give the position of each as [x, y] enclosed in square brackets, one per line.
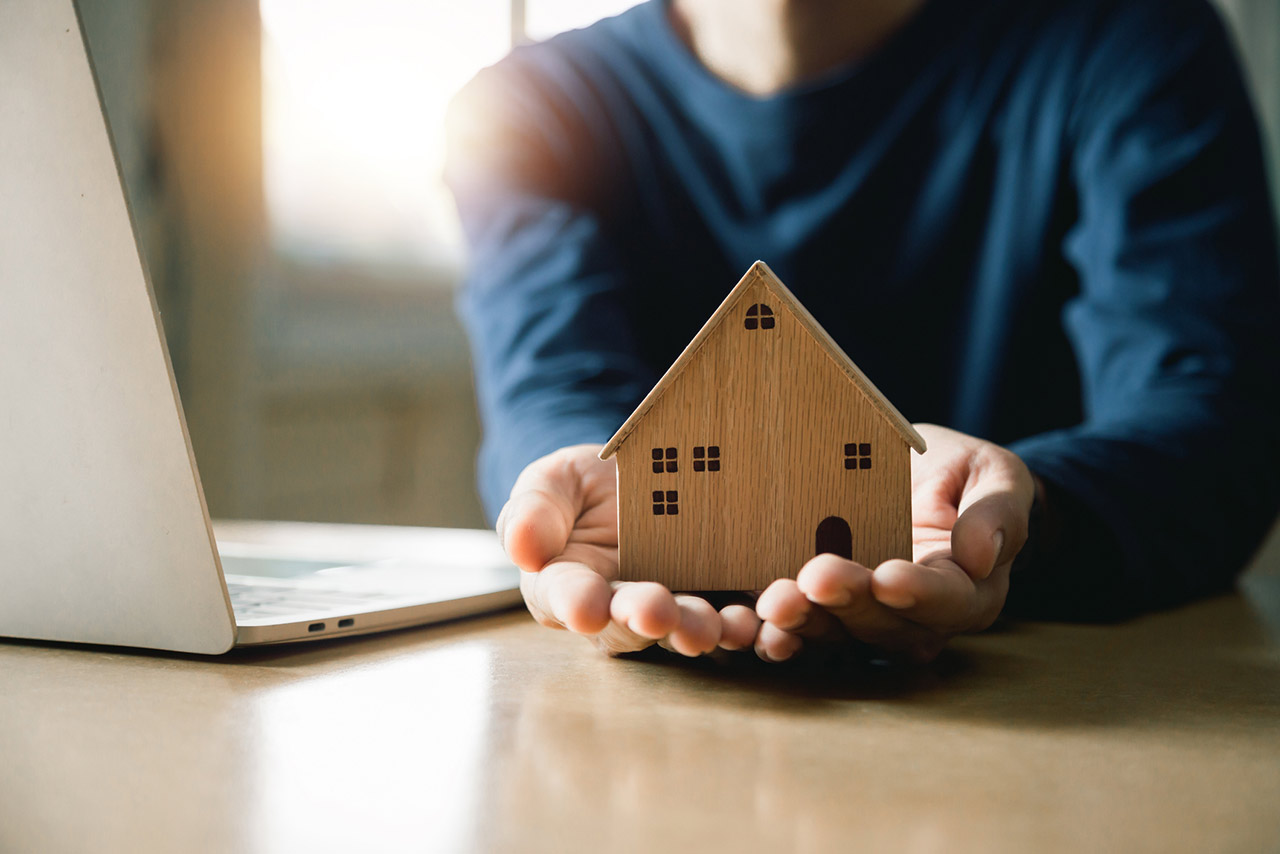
[992, 527]
[535, 524]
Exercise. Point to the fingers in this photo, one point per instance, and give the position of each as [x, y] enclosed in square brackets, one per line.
[942, 597]
[645, 613]
[739, 626]
[649, 610]
[834, 582]
[989, 533]
[631, 616]
[688, 625]
[536, 521]
[775, 644]
[844, 589]
[992, 526]
[617, 639]
[970, 506]
[979, 492]
[831, 600]
[937, 597]
[568, 596]
[534, 527]
[789, 618]
[567, 495]
[698, 630]
[560, 527]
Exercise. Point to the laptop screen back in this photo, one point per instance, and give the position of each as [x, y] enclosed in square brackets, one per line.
[103, 532]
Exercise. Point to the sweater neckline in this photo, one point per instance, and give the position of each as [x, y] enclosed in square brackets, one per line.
[701, 83]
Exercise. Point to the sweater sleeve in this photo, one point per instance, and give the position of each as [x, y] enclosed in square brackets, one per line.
[1166, 488]
[545, 301]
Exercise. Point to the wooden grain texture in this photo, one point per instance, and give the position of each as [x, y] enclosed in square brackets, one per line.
[781, 410]
[1159, 734]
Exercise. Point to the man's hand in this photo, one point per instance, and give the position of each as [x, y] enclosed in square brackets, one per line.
[970, 503]
[561, 527]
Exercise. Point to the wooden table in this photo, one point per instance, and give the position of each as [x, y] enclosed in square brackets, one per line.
[493, 734]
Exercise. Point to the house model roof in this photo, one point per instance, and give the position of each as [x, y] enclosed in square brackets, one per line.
[761, 274]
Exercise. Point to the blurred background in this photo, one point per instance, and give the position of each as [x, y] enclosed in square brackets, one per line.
[283, 162]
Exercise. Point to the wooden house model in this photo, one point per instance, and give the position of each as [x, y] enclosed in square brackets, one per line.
[762, 446]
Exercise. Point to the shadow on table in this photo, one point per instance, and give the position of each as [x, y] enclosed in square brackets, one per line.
[1210, 662]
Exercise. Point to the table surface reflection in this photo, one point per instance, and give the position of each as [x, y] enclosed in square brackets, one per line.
[494, 734]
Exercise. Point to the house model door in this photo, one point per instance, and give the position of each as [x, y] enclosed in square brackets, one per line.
[834, 536]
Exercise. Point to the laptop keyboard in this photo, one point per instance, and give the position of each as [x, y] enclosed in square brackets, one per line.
[253, 600]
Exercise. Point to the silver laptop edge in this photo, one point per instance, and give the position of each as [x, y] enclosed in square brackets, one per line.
[104, 532]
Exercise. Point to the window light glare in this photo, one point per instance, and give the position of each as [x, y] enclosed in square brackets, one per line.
[354, 99]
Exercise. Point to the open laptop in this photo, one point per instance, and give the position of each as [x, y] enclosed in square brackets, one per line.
[104, 533]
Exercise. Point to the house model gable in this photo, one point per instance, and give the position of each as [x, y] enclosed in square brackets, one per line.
[761, 446]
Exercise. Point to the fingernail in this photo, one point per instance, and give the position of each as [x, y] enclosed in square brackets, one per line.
[776, 659]
[897, 600]
[998, 539]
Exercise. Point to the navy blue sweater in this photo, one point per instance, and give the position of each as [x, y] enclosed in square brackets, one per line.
[1045, 224]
